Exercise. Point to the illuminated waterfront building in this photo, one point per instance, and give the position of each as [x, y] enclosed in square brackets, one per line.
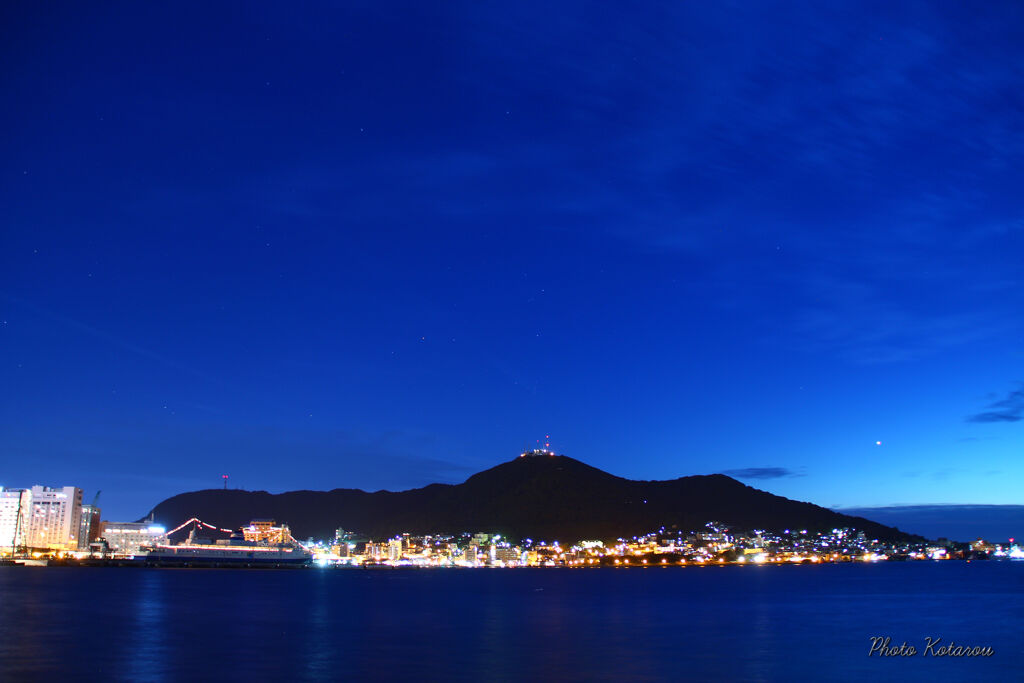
[266, 531]
[45, 518]
[507, 556]
[127, 538]
[395, 549]
[51, 518]
[89, 527]
[12, 529]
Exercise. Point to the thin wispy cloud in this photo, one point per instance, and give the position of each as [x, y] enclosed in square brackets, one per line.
[1010, 408]
[760, 473]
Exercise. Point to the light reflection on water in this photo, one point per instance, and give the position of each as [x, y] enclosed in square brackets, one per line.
[148, 633]
[731, 623]
[318, 645]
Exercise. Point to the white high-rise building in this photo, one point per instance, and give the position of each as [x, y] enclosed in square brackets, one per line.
[56, 518]
[50, 518]
[12, 532]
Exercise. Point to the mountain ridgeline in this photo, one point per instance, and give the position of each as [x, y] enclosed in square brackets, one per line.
[541, 497]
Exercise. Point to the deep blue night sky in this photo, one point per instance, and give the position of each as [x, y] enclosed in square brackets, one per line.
[376, 247]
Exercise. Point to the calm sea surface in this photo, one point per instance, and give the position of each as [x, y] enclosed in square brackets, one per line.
[716, 623]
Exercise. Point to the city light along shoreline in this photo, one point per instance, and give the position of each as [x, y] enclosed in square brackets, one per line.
[265, 543]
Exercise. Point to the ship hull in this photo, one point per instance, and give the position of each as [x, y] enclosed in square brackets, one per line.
[217, 557]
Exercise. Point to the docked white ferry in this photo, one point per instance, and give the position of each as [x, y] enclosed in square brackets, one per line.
[233, 552]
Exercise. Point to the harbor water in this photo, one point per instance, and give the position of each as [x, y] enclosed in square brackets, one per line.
[773, 623]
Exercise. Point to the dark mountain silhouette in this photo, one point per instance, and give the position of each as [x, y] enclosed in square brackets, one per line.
[541, 497]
